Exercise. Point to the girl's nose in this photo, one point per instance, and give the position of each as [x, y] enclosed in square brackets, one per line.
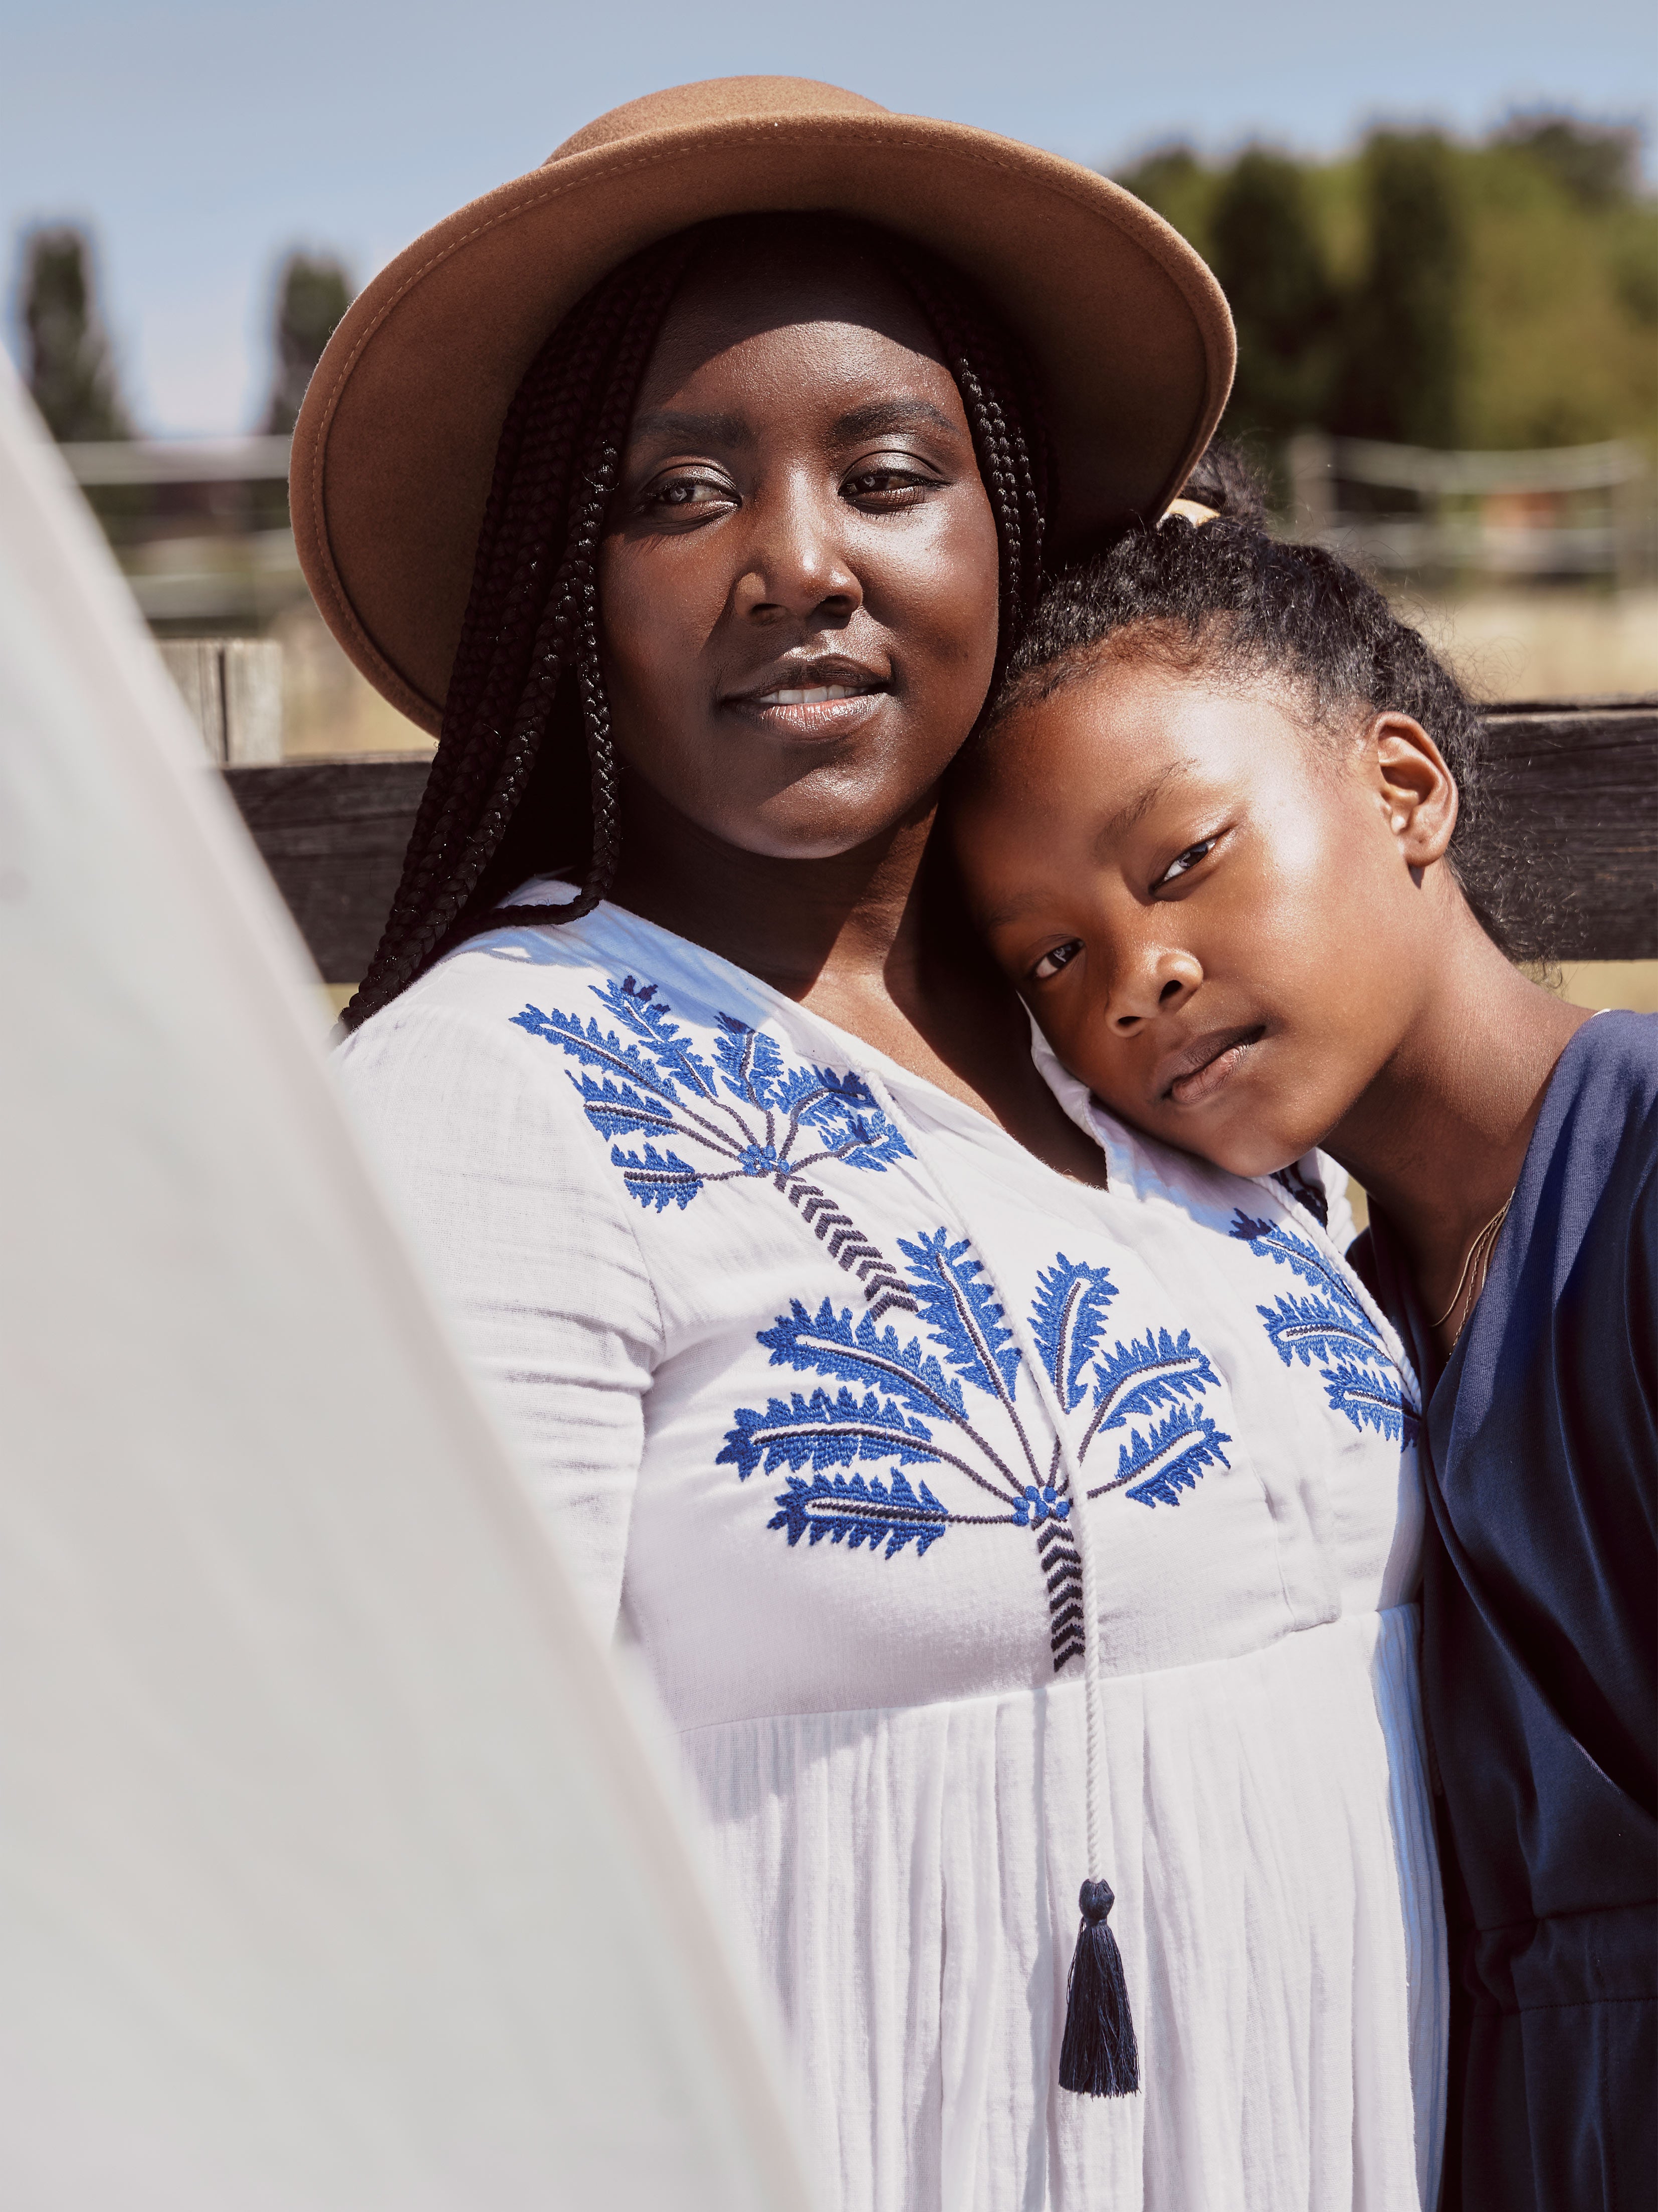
[1158, 982]
[797, 563]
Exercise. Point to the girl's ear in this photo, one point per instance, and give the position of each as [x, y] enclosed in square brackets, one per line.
[1415, 788]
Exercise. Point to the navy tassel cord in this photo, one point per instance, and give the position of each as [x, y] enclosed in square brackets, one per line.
[1099, 2057]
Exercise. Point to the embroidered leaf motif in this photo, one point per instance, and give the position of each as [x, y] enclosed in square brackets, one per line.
[1155, 1468]
[1307, 1329]
[961, 1311]
[822, 1432]
[1271, 1240]
[1332, 1329]
[747, 1109]
[1160, 1370]
[596, 1048]
[828, 1343]
[657, 1179]
[637, 1006]
[748, 1061]
[1068, 1316]
[858, 1512]
[616, 1109]
[1370, 1399]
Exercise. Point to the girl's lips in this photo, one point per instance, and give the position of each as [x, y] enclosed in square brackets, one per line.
[1231, 1050]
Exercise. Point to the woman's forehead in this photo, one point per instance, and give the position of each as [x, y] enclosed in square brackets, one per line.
[830, 284]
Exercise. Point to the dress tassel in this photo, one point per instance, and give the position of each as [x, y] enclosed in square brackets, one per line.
[1099, 2057]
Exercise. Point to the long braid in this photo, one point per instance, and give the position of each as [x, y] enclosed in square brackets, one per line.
[526, 620]
[532, 616]
[1007, 435]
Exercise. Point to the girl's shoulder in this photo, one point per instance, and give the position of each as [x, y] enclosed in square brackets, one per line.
[1610, 1065]
[1589, 1168]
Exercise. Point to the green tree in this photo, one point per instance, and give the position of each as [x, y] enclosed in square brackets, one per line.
[1598, 164]
[1175, 183]
[71, 375]
[1267, 255]
[1401, 375]
[311, 294]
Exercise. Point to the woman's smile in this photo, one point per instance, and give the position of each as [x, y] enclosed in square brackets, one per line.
[813, 701]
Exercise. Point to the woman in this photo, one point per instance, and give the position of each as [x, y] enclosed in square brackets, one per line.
[981, 1535]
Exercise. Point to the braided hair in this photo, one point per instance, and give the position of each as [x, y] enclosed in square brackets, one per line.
[1230, 602]
[526, 723]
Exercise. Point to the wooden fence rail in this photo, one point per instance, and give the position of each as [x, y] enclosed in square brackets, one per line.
[1581, 776]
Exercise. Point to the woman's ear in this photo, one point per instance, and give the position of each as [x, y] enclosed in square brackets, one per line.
[1416, 789]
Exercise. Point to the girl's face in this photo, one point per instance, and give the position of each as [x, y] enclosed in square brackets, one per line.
[1222, 920]
[798, 580]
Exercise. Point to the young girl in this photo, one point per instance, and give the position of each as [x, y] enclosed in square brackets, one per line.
[1223, 829]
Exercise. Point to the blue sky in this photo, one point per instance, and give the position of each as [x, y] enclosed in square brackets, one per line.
[200, 141]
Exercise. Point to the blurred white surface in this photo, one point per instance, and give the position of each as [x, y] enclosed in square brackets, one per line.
[333, 1872]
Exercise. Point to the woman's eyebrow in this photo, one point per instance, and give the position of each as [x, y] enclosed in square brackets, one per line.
[693, 430]
[878, 415]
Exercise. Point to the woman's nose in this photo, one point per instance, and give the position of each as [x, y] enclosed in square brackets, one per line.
[1158, 982]
[798, 563]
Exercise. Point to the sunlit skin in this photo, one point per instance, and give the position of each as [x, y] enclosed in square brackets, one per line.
[1240, 928]
[800, 510]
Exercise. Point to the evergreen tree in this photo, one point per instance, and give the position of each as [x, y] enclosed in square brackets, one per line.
[72, 376]
[1267, 254]
[311, 294]
[1597, 163]
[1402, 345]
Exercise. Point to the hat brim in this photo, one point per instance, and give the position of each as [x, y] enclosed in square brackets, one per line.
[1128, 332]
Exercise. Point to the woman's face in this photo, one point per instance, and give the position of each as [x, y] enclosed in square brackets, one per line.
[798, 577]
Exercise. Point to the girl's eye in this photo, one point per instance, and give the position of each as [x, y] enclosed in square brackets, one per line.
[1186, 861]
[1051, 963]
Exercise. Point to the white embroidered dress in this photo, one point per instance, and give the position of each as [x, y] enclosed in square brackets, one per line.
[760, 1308]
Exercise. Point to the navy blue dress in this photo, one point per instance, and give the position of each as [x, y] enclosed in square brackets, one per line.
[1541, 1652]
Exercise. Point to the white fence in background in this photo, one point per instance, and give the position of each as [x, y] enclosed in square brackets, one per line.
[242, 576]
[1574, 511]
[1565, 512]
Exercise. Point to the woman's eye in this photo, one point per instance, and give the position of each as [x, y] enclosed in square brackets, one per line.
[1051, 963]
[675, 494]
[887, 484]
[1186, 861]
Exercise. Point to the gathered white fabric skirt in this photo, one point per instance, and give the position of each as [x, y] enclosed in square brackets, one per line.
[910, 1876]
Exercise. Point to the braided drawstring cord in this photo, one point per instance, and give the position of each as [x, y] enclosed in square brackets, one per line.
[1099, 2056]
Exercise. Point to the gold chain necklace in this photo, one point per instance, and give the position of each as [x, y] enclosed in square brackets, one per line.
[1480, 1252]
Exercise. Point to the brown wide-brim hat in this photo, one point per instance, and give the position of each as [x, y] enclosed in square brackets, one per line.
[1126, 329]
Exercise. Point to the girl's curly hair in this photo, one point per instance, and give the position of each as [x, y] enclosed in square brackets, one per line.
[1230, 602]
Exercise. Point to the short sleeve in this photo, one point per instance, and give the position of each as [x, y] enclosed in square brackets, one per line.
[494, 1175]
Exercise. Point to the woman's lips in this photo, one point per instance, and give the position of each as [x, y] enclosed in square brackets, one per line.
[1222, 1054]
[811, 711]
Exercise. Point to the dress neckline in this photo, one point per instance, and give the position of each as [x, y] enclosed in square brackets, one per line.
[939, 1105]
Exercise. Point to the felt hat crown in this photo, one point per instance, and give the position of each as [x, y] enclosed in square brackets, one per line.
[1126, 329]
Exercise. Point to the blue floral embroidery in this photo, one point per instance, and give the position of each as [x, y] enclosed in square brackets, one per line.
[1332, 1327]
[739, 1108]
[949, 1402]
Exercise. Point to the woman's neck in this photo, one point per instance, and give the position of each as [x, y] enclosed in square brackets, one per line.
[874, 940]
[1439, 1137]
[803, 927]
